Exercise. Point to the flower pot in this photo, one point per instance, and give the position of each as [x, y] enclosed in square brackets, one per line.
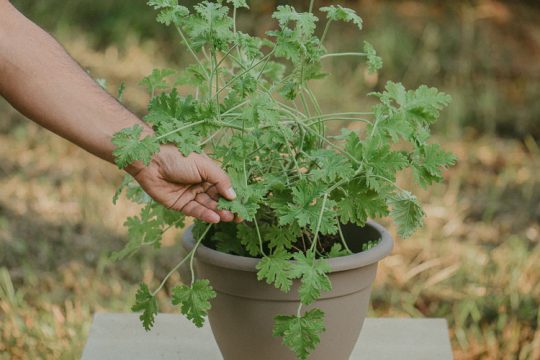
[243, 312]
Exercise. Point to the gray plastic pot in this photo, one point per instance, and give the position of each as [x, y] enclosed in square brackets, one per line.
[242, 314]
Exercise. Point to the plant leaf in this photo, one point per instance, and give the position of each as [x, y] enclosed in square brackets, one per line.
[129, 147]
[406, 212]
[194, 300]
[337, 250]
[169, 11]
[248, 237]
[330, 166]
[156, 80]
[276, 269]
[428, 163]
[238, 3]
[339, 13]
[147, 303]
[300, 333]
[375, 63]
[312, 275]
[305, 209]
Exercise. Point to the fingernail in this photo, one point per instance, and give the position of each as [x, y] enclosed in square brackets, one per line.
[214, 218]
[231, 193]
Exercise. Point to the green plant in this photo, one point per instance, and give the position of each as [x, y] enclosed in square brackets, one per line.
[254, 112]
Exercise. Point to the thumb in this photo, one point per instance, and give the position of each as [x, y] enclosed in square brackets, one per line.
[213, 174]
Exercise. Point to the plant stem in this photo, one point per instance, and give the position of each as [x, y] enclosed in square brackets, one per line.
[216, 71]
[208, 139]
[343, 54]
[259, 235]
[189, 255]
[193, 253]
[190, 49]
[316, 236]
[325, 31]
[342, 114]
[328, 142]
[311, 6]
[226, 54]
[236, 77]
[234, 19]
[236, 107]
[340, 118]
[317, 108]
[291, 153]
[343, 238]
[180, 129]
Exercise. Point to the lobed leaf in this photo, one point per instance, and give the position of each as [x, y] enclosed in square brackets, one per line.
[339, 13]
[406, 212]
[428, 163]
[375, 63]
[312, 275]
[276, 270]
[194, 300]
[300, 333]
[147, 303]
[129, 147]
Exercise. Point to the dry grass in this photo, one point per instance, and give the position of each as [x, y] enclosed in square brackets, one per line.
[476, 263]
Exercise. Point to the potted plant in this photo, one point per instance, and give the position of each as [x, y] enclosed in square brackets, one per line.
[299, 268]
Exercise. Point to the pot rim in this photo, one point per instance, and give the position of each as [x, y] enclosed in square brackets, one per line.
[343, 263]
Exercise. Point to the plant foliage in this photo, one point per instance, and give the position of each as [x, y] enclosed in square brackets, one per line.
[252, 109]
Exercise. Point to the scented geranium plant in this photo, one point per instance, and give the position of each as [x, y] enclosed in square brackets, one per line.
[250, 107]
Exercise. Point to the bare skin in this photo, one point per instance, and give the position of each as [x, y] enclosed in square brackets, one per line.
[45, 84]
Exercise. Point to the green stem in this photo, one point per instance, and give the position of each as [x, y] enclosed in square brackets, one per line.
[190, 49]
[236, 77]
[192, 253]
[231, 126]
[259, 235]
[236, 107]
[291, 153]
[226, 55]
[340, 118]
[208, 139]
[343, 54]
[389, 181]
[311, 5]
[343, 239]
[180, 129]
[316, 236]
[234, 20]
[343, 181]
[328, 141]
[216, 71]
[317, 109]
[190, 256]
[325, 31]
[346, 114]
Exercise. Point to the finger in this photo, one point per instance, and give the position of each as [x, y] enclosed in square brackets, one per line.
[207, 201]
[200, 212]
[238, 219]
[212, 192]
[215, 175]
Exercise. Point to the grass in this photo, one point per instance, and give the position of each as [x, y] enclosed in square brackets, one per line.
[476, 262]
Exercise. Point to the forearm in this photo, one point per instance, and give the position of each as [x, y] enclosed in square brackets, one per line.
[44, 83]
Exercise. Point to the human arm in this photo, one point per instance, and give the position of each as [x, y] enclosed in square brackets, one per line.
[44, 83]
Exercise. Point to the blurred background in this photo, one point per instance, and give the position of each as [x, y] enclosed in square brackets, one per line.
[475, 263]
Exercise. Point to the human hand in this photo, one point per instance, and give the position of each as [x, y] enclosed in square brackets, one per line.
[191, 184]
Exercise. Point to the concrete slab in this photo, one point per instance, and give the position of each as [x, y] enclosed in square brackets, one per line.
[121, 337]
